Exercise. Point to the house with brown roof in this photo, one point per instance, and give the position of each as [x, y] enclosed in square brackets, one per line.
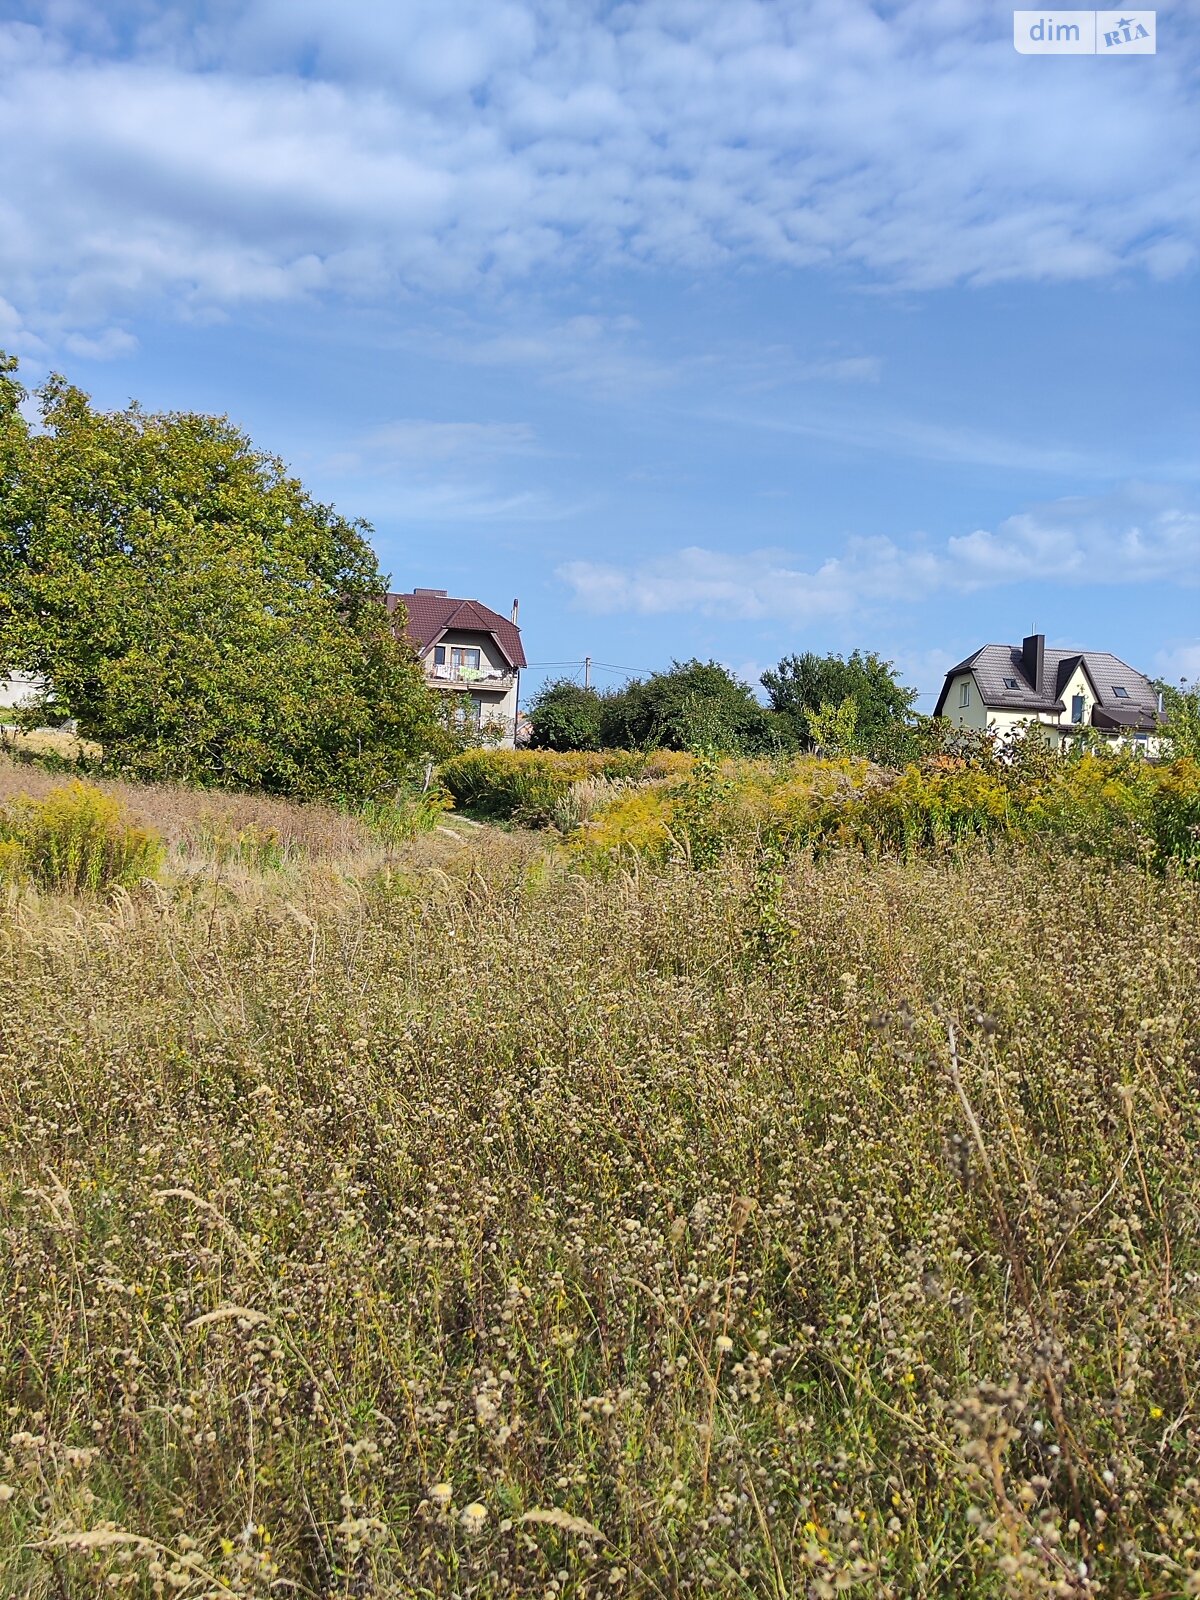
[1002, 687]
[467, 648]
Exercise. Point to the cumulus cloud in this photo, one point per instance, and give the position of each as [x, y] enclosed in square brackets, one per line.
[1136, 535]
[213, 154]
[107, 345]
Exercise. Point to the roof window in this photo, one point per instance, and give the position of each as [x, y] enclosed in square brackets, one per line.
[1121, 692]
[1011, 683]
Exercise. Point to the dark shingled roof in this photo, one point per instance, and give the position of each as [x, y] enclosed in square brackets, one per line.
[431, 615]
[995, 662]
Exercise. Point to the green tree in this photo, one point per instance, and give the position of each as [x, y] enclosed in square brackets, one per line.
[694, 703]
[1181, 709]
[195, 610]
[835, 728]
[565, 716]
[802, 684]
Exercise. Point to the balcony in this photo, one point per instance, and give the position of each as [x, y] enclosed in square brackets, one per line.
[481, 680]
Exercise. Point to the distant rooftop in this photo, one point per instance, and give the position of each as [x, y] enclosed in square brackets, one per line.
[432, 613]
[1030, 677]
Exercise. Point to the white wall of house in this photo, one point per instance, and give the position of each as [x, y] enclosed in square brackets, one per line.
[1056, 724]
[1078, 688]
[18, 688]
[964, 706]
[494, 690]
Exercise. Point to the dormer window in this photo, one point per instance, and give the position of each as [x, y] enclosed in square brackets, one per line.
[1121, 692]
[1010, 683]
[1076, 708]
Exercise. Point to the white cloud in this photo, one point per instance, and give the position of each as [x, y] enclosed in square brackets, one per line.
[451, 502]
[15, 336]
[281, 148]
[846, 369]
[417, 469]
[909, 437]
[106, 345]
[593, 352]
[419, 440]
[1182, 661]
[1135, 535]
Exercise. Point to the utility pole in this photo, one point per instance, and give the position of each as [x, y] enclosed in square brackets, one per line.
[587, 672]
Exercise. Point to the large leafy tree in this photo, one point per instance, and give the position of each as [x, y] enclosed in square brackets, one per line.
[693, 703]
[193, 607]
[802, 685]
[565, 715]
[1181, 706]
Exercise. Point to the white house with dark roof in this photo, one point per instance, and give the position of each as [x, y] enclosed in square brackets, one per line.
[467, 648]
[1003, 686]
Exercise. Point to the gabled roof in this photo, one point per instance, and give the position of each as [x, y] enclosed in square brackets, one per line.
[994, 663]
[431, 615]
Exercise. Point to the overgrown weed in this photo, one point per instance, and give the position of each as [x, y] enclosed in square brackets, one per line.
[485, 1228]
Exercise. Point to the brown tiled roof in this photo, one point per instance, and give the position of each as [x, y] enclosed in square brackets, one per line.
[432, 615]
[991, 665]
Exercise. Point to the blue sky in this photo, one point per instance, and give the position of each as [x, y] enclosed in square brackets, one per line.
[716, 327]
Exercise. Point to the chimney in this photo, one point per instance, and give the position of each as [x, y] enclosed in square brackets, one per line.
[515, 609]
[435, 594]
[1033, 659]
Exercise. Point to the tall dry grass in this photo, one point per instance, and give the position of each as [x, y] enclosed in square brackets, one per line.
[485, 1230]
[200, 823]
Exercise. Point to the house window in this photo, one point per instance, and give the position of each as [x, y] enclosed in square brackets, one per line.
[964, 694]
[461, 656]
[439, 655]
[1121, 692]
[1076, 708]
[1010, 683]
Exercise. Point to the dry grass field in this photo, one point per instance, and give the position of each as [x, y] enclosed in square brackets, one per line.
[468, 1225]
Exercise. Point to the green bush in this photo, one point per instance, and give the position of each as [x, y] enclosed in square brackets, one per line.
[79, 839]
[1174, 815]
[406, 816]
[531, 786]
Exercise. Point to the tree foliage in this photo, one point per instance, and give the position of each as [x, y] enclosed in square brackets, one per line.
[1181, 707]
[193, 608]
[802, 684]
[694, 703]
[565, 716]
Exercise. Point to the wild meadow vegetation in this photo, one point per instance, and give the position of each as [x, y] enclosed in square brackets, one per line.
[786, 1211]
[614, 805]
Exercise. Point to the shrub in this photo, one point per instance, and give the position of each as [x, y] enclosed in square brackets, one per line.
[406, 816]
[712, 807]
[926, 809]
[78, 838]
[529, 786]
[1174, 815]
[565, 716]
[641, 821]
